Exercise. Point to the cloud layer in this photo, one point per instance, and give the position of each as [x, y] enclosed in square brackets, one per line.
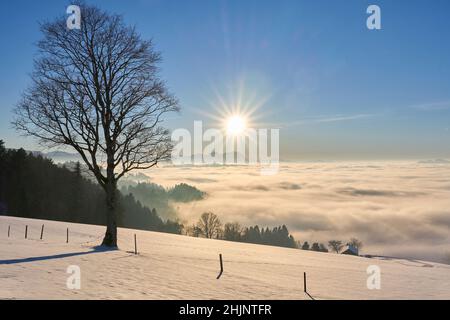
[395, 208]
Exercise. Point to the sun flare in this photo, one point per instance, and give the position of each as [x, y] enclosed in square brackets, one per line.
[236, 125]
[238, 111]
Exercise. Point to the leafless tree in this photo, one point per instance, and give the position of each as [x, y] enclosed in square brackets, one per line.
[193, 231]
[209, 225]
[335, 245]
[232, 231]
[97, 90]
[356, 243]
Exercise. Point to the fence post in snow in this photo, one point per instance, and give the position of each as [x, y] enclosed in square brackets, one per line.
[304, 282]
[305, 288]
[221, 266]
[9, 229]
[26, 231]
[42, 231]
[67, 238]
[135, 244]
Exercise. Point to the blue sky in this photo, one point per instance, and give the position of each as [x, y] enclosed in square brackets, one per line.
[336, 89]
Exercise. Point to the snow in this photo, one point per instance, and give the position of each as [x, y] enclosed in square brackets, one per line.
[179, 267]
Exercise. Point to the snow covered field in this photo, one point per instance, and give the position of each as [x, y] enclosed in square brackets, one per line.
[180, 267]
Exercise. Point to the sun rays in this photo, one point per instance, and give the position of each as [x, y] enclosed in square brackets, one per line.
[237, 111]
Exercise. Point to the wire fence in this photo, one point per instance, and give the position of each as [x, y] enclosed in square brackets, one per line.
[136, 252]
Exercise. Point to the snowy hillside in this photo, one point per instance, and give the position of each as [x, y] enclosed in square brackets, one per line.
[179, 267]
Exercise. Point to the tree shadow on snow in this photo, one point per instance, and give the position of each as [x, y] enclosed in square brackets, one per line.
[97, 249]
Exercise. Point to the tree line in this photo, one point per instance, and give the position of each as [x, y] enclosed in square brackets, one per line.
[32, 186]
[209, 226]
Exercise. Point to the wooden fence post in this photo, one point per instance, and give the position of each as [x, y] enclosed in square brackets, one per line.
[26, 231]
[304, 282]
[135, 244]
[221, 266]
[9, 230]
[67, 238]
[42, 231]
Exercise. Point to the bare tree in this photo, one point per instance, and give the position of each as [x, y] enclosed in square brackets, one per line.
[97, 91]
[356, 243]
[209, 225]
[193, 231]
[232, 231]
[335, 245]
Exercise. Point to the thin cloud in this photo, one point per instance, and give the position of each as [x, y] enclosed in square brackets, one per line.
[432, 106]
[328, 119]
[345, 118]
[378, 193]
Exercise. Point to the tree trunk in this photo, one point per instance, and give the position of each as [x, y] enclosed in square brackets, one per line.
[110, 238]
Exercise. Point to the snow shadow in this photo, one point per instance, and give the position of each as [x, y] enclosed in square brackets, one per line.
[97, 249]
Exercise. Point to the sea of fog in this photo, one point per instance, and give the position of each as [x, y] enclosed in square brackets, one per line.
[399, 209]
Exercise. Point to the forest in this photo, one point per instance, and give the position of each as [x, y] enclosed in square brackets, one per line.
[32, 186]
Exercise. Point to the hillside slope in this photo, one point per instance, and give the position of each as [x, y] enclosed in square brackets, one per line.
[179, 267]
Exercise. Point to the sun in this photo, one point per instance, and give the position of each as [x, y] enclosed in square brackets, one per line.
[238, 112]
[236, 125]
